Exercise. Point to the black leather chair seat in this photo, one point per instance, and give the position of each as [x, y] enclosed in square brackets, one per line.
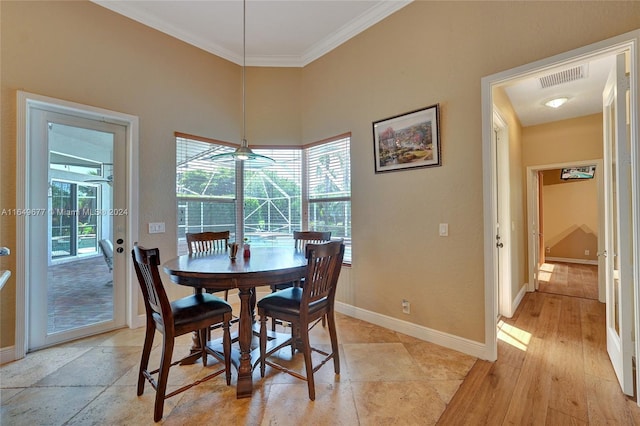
[288, 301]
[198, 307]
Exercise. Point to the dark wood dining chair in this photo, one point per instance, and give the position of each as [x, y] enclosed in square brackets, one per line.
[302, 238]
[194, 313]
[300, 241]
[207, 241]
[200, 242]
[304, 307]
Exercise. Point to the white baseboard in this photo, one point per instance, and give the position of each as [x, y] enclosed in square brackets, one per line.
[460, 344]
[7, 354]
[139, 321]
[519, 297]
[450, 341]
[568, 260]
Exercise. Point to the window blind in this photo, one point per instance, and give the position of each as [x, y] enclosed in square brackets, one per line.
[272, 197]
[205, 191]
[329, 170]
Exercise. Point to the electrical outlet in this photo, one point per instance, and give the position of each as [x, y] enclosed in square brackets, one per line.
[548, 250]
[586, 252]
[406, 306]
[443, 229]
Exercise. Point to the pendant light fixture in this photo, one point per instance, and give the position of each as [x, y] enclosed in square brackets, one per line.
[244, 153]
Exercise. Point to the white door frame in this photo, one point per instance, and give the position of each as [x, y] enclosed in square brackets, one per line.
[533, 211]
[26, 101]
[619, 235]
[501, 179]
[629, 41]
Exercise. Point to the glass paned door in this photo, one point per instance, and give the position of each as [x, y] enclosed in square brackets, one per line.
[77, 285]
[617, 184]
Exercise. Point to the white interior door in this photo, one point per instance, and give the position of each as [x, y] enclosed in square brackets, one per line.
[503, 217]
[76, 286]
[618, 238]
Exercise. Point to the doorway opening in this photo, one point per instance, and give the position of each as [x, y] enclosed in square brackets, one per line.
[567, 235]
[493, 88]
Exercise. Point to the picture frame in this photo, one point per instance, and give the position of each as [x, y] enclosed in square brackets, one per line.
[577, 173]
[408, 141]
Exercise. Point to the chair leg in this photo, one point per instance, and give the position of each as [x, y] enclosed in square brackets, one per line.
[146, 352]
[263, 343]
[163, 375]
[306, 349]
[331, 319]
[204, 338]
[226, 347]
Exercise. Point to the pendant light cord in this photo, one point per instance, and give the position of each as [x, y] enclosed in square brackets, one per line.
[244, 56]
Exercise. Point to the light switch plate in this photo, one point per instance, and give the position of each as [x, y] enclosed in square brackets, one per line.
[156, 227]
[443, 229]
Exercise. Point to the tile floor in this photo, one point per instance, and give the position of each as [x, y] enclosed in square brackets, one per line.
[386, 378]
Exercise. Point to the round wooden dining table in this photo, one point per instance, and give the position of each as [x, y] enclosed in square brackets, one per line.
[216, 271]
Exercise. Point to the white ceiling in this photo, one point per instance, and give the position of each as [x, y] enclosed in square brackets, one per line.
[282, 33]
[585, 95]
[293, 33]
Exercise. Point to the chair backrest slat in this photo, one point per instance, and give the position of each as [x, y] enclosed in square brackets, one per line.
[302, 238]
[323, 269]
[207, 241]
[145, 262]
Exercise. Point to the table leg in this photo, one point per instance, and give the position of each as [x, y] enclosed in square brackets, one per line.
[245, 382]
[196, 345]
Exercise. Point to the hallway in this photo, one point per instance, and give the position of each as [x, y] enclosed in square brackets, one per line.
[552, 369]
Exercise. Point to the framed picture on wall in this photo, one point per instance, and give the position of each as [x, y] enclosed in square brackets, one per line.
[407, 141]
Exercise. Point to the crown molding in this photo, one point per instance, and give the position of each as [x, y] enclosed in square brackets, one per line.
[371, 17]
[374, 15]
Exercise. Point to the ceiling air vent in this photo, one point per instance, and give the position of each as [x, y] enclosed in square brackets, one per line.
[562, 77]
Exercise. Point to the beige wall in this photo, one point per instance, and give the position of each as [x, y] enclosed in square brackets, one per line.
[273, 106]
[84, 53]
[563, 141]
[428, 52]
[434, 52]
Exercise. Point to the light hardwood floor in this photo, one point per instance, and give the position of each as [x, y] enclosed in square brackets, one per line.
[552, 369]
[569, 279]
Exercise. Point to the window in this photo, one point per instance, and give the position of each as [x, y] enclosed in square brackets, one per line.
[74, 223]
[308, 188]
[205, 191]
[272, 198]
[328, 173]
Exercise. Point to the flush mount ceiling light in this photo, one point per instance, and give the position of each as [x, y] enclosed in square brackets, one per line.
[556, 102]
[243, 153]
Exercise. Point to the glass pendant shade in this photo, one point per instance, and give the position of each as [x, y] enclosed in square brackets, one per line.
[243, 153]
